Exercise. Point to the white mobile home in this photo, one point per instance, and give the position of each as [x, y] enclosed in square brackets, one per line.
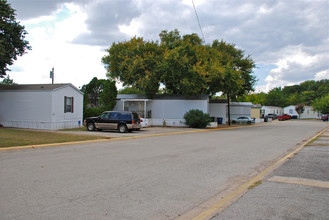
[265, 110]
[41, 106]
[169, 110]
[162, 109]
[308, 112]
[219, 109]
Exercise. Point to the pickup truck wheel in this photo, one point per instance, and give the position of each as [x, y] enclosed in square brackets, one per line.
[91, 126]
[233, 122]
[249, 122]
[122, 128]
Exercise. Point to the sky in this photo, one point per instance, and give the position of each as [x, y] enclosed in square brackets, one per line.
[288, 40]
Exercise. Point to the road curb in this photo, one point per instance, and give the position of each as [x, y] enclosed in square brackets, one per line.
[52, 144]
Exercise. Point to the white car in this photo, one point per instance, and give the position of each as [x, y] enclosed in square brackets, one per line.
[243, 119]
[144, 122]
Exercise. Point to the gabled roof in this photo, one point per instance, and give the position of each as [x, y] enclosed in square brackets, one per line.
[36, 87]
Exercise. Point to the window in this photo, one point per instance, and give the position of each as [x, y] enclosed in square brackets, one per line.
[68, 104]
[105, 116]
[114, 116]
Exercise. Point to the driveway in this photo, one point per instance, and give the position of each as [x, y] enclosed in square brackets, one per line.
[160, 177]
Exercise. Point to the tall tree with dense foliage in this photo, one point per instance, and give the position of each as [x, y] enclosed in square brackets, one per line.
[108, 96]
[255, 98]
[129, 90]
[99, 95]
[12, 37]
[135, 63]
[242, 66]
[275, 97]
[181, 63]
[322, 104]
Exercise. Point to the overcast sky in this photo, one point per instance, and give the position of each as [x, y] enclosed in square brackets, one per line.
[288, 39]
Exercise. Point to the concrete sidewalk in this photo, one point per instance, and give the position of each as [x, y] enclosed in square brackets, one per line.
[298, 189]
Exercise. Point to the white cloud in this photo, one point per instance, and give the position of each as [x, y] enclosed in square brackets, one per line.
[52, 47]
[133, 29]
[322, 75]
[295, 66]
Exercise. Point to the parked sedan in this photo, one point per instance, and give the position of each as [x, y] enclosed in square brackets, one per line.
[243, 119]
[284, 117]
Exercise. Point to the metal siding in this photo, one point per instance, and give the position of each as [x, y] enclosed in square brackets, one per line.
[25, 106]
[218, 110]
[175, 109]
[66, 120]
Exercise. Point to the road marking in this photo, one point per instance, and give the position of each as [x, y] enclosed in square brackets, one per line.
[300, 181]
[244, 187]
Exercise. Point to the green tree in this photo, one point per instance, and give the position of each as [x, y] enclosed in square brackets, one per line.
[294, 99]
[308, 97]
[275, 97]
[242, 65]
[299, 108]
[255, 98]
[322, 104]
[323, 87]
[99, 95]
[108, 96]
[129, 90]
[135, 63]
[92, 91]
[181, 63]
[12, 37]
[7, 81]
[182, 67]
[230, 86]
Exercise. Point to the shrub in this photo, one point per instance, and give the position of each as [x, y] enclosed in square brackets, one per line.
[195, 118]
[94, 111]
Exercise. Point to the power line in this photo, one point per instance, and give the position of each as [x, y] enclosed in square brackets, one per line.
[197, 17]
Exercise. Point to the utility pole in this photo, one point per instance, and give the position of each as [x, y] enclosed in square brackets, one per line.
[52, 75]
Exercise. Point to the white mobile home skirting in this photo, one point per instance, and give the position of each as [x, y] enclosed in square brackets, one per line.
[43, 125]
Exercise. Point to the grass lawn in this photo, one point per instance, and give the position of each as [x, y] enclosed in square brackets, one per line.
[10, 137]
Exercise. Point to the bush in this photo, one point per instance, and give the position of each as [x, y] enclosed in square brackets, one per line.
[90, 112]
[195, 118]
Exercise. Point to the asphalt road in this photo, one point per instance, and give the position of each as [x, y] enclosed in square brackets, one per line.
[299, 189]
[163, 177]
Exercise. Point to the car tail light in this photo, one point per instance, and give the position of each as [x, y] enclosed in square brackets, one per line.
[141, 120]
[133, 122]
